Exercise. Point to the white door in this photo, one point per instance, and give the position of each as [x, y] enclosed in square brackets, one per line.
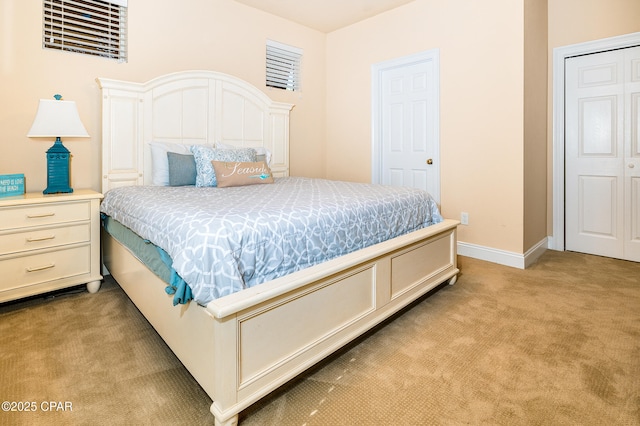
[407, 151]
[602, 154]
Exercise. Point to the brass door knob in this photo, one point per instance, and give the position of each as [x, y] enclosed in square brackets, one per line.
[430, 161]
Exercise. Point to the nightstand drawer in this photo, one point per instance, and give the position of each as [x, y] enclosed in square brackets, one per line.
[44, 214]
[32, 239]
[38, 268]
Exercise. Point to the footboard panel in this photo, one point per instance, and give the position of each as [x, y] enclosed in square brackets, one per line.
[412, 267]
[289, 330]
[282, 331]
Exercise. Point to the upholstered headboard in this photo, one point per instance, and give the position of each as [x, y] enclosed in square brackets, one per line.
[191, 107]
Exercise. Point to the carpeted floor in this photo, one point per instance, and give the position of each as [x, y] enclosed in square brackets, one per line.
[556, 344]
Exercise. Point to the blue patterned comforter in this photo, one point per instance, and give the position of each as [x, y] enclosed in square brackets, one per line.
[222, 240]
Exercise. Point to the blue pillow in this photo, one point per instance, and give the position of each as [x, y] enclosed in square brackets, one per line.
[182, 169]
[205, 175]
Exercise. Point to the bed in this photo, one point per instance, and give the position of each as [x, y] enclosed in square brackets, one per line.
[227, 341]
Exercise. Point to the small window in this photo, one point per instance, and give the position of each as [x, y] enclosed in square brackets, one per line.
[283, 66]
[90, 27]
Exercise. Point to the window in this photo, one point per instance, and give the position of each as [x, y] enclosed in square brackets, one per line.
[90, 27]
[283, 66]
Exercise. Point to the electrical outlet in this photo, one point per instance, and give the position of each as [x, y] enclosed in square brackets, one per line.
[464, 218]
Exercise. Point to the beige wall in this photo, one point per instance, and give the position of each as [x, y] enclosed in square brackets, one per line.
[578, 21]
[220, 35]
[535, 123]
[481, 105]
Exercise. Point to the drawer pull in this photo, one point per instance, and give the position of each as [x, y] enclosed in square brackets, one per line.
[40, 268]
[36, 216]
[36, 239]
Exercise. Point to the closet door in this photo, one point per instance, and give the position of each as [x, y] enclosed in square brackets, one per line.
[602, 171]
[632, 155]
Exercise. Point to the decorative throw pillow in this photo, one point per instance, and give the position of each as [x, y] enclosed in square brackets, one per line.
[262, 153]
[182, 169]
[205, 175]
[237, 173]
[159, 162]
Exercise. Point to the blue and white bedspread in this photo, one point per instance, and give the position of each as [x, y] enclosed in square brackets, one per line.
[222, 240]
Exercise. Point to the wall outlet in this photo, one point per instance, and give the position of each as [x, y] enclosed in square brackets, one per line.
[464, 218]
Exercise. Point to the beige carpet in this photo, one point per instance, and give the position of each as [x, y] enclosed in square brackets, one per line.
[556, 344]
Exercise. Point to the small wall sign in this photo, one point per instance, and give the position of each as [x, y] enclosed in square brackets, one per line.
[11, 185]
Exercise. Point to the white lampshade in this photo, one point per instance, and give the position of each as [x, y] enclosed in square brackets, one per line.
[57, 119]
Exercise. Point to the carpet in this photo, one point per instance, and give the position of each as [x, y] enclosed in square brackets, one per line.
[555, 344]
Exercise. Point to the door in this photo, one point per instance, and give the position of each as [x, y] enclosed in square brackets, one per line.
[406, 152]
[602, 154]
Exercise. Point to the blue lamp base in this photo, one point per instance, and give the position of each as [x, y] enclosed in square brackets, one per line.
[58, 157]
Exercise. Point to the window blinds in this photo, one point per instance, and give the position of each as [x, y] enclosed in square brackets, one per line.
[90, 27]
[283, 66]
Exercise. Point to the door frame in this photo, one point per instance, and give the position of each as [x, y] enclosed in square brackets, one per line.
[429, 56]
[560, 54]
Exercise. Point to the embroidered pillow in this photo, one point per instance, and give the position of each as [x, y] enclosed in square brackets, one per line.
[238, 173]
[205, 175]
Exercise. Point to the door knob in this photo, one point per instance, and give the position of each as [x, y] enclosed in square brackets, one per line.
[430, 161]
[631, 165]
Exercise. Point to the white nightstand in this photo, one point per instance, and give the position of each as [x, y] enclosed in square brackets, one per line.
[48, 242]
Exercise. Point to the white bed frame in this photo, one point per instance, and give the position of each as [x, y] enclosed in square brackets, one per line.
[243, 346]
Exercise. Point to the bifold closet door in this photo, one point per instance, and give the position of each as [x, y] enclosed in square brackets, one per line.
[602, 154]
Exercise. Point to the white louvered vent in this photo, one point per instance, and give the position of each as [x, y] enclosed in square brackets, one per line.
[283, 66]
[90, 27]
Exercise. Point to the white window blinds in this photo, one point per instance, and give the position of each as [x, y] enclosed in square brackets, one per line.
[90, 27]
[283, 66]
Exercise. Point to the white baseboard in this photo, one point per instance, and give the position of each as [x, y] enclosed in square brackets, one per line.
[502, 257]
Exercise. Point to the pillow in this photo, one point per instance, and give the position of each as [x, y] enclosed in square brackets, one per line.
[262, 153]
[262, 157]
[205, 175]
[182, 169]
[159, 162]
[237, 173]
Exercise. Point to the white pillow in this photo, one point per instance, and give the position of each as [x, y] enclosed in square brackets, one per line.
[159, 162]
[260, 150]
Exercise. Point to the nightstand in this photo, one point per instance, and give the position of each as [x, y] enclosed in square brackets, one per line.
[48, 242]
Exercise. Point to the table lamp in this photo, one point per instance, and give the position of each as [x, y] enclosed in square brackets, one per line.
[56, 119]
